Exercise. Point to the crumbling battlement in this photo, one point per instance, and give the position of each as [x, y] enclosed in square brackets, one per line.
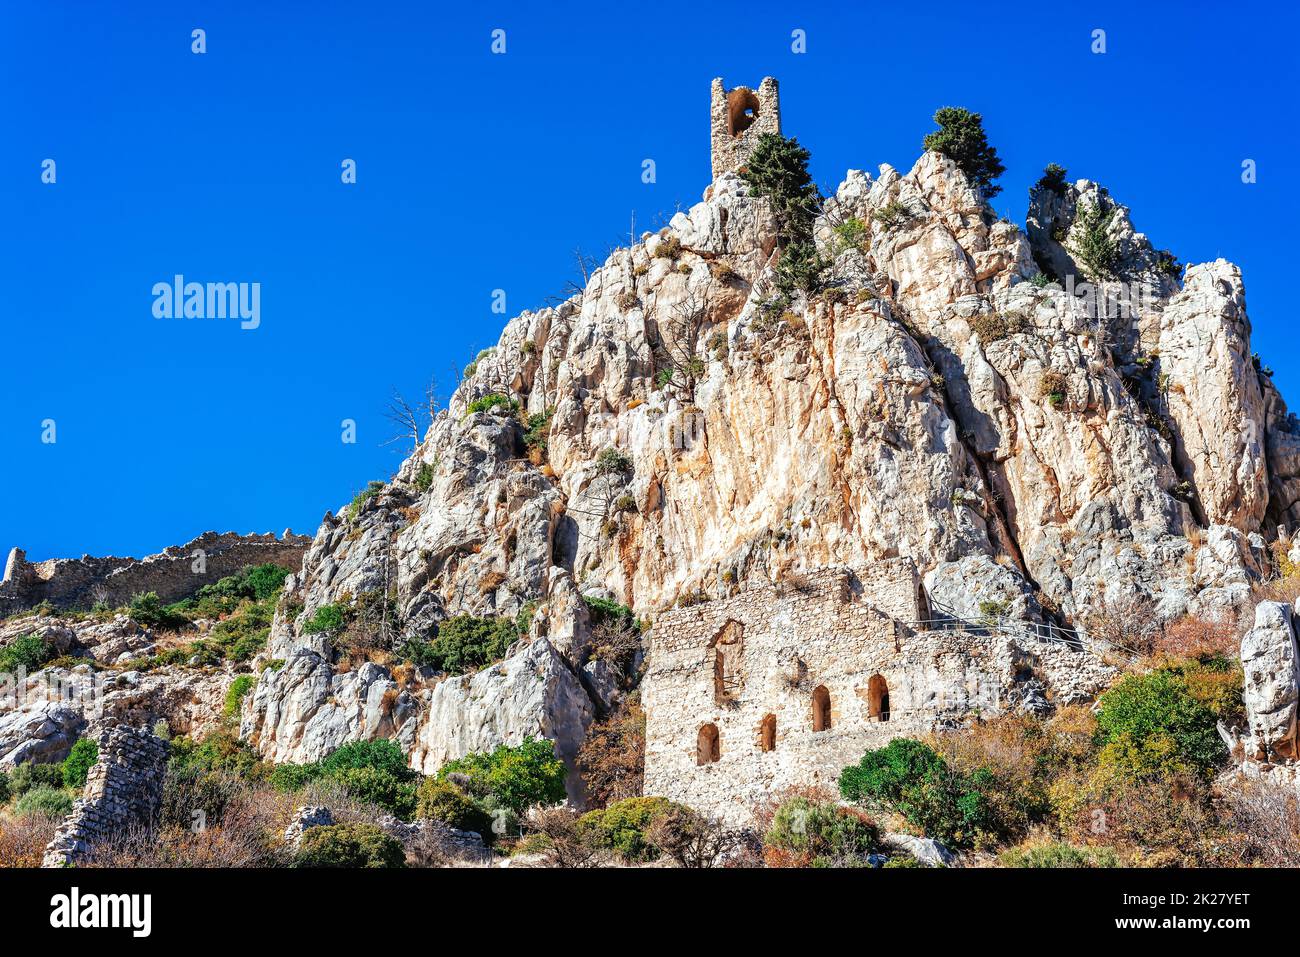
[737, 118]
[123, 789]
[785, 685]
[174, 573]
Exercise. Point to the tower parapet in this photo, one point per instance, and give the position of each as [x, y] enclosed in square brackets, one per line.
[738, 117]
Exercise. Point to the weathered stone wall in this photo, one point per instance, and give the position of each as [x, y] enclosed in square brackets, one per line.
[123, 788]
[737, 118]
[173, 573]
[838, 634]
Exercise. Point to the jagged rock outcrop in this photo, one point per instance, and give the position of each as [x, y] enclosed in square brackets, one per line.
[1271, 686]
[942, 401]
[44, 713]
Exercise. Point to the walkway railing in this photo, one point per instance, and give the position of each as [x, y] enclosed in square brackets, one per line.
[943, 618]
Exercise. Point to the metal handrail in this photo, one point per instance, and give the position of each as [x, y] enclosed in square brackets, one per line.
[949, 620]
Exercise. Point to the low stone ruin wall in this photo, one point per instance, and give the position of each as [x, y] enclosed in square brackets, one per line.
[123, 789]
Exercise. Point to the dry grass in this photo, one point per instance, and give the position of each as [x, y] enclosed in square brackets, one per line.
[23, 839]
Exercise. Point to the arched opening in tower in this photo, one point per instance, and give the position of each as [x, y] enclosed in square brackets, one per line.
[742, 110]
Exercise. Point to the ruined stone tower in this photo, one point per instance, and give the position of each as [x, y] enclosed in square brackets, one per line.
[738, 118]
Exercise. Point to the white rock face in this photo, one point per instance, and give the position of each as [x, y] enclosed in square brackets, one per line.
[932, 404]
[1214, 396]
[1271, 664]
[532, 693]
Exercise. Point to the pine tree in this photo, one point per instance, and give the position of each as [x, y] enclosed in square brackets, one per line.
[961, 137]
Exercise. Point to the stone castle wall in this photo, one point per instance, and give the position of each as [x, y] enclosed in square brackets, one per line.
[737, 118]
[838, 642]
[123, 789]
[80, 582]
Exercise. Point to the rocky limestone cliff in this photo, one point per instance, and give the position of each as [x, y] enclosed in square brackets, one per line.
[940, 401]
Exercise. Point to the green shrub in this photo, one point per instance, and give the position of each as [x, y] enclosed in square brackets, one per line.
[614, 462]
[800, 268]
[5, 792]
[354, 508]
[1053, 179]
[349, 845]
[78, 763]
[910, 778]
[464, 643]
[606, 612]
[266, 580]
[892, 214]
[439, 800]
[852, 233]
[240, 687]
[44, 799]
[243, 634]
[221, 750]
[382, 755]
[622, 826]
[961, 138]
[26, 776]
[29, 652]
[821, 833]
[1055, 854]
[539, 426]
[1093, 245]
[1151, 725]
[190, 789]
[491, 401]
[288, 778]
[382, 788]
[148, 610]
[424, 477]
[515, 777]
[326, 618]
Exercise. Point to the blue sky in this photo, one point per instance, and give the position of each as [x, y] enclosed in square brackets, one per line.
[479, 172]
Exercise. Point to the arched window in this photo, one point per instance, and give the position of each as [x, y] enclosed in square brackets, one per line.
[767, 733]
[742, 111]
[707, 747]
[728, 647]
[878, 698]
[821, 709]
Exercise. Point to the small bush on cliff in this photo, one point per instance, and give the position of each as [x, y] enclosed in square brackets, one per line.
[515, 778]
[1053, 179]
[29, 652]
[148, 610]
[349, 845]
[911, 779]
[493, 400]
[1151, 724]
[961, 138]
[463, 644]
[239, 688]
[78, 763]
[326, 618]
[808, 833]
[44, 799]
[440, 800]
[1093, 246]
